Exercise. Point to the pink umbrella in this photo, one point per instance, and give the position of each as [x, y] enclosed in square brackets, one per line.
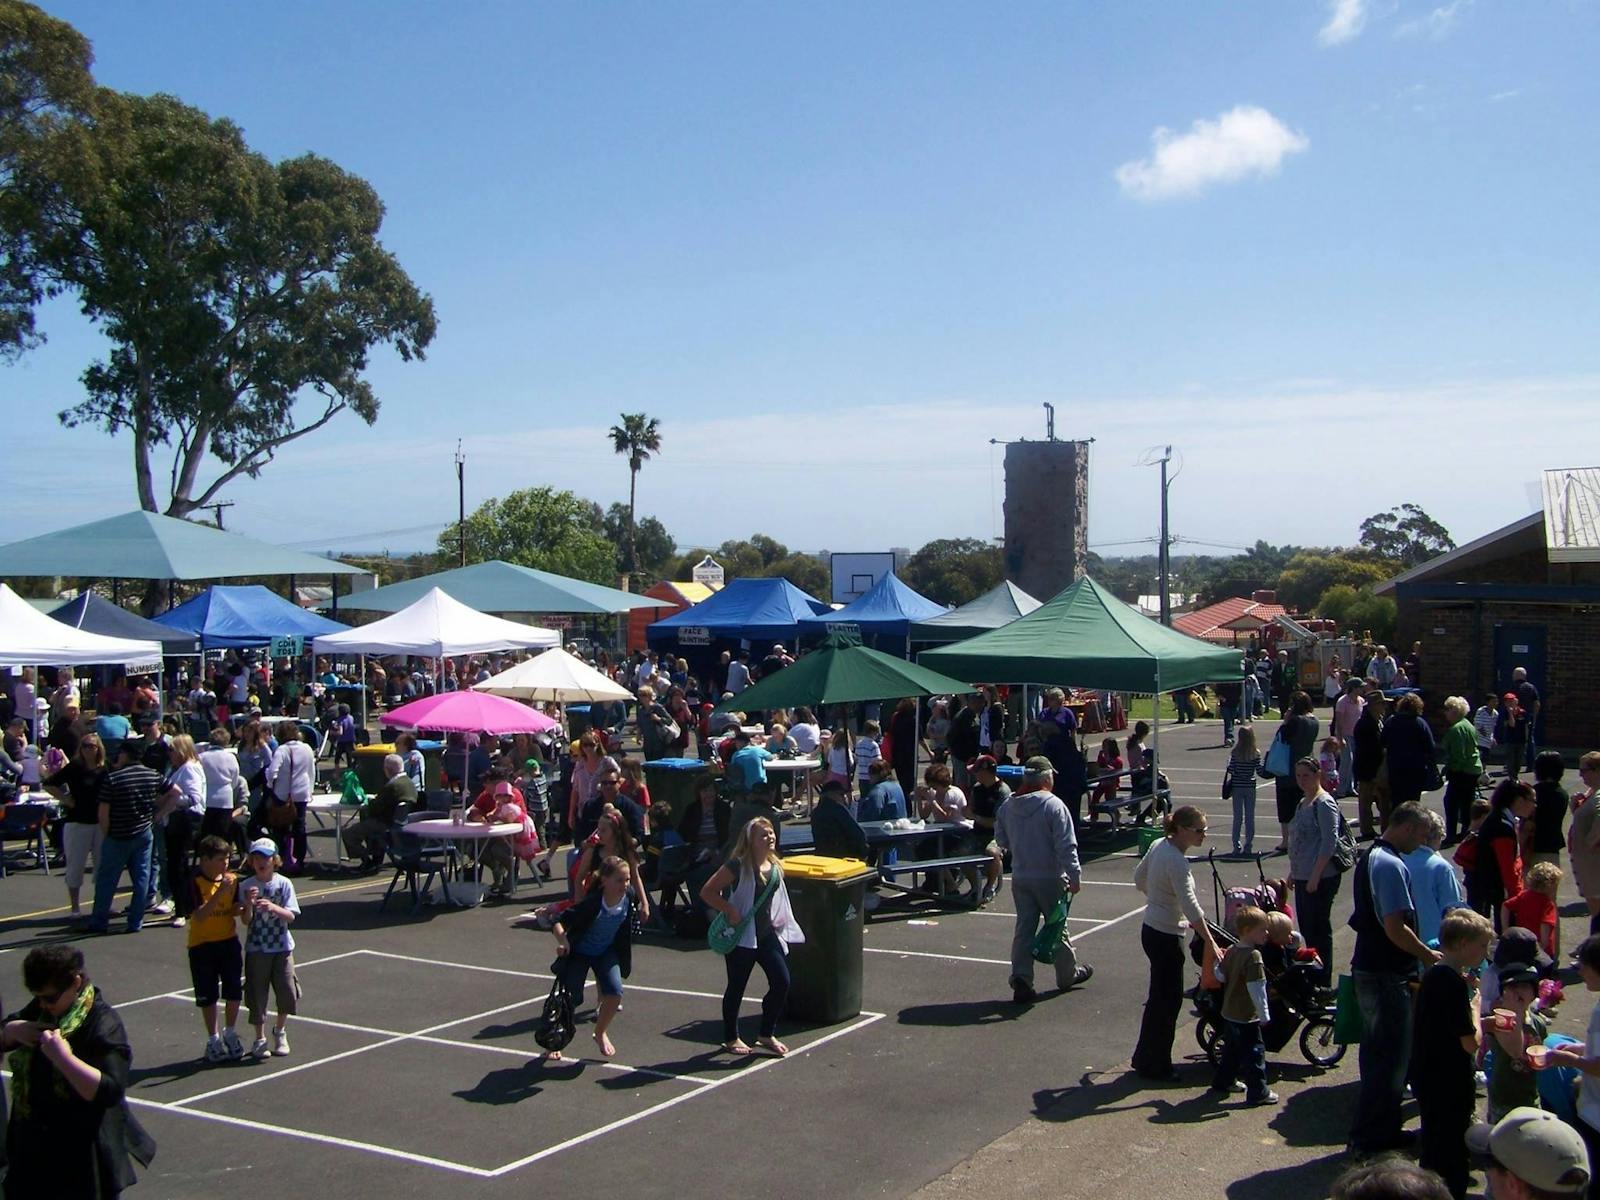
[470, 712]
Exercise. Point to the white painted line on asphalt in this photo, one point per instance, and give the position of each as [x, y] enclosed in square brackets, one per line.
[634, 987]
[992, 962]
[318, 1062]
[187, 993]
[1114, 921]
[765, 1063]
[325, 1139]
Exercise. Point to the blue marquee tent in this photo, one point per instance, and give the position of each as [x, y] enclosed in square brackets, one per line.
[96, 614]
[883, 615]
[248, 615]
[756, 610]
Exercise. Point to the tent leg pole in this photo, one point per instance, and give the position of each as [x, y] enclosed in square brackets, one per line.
[1155, 744]
[363, 691]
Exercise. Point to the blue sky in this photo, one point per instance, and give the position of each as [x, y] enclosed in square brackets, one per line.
[1341, 255]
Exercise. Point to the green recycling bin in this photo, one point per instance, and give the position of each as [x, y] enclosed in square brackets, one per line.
[828, 897]
[369, 764]
[672, 782]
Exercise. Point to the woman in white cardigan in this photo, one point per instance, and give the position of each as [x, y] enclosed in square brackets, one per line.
[1163, 876]
[766, 939]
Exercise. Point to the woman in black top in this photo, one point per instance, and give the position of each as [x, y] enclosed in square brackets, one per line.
[903, 744]
[70, 1134]
[1299, 729]
[77, 786]
[1408, 748]
[1550, 808]
[1497, 869]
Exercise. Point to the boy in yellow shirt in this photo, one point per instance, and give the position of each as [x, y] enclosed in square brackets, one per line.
[216, 960]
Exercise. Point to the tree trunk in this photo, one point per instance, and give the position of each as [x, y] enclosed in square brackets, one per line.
[633, 483]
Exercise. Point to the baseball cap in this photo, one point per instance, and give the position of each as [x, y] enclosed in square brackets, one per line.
[1509, 696]
[832, 785]
[502, 788]
[1039, 763]
[1537, 1147]
[264, 846]
[1519, 973]
[981, 762]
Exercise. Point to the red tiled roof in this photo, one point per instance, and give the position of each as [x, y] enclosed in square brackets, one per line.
[1208, 623]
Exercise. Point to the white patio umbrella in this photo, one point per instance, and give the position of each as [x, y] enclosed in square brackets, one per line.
[554, 676]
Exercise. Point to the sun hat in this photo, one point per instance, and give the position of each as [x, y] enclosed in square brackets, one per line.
[502, 788]
[264, 846]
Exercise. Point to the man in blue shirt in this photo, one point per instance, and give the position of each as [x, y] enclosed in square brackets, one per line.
[1384, 962]
[748, 764]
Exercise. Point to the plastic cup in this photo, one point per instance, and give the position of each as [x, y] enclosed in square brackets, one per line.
[1505, 1020]
[1538, 1057]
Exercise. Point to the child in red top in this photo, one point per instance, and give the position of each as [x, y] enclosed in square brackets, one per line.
[1109, 762]
[1535, 907]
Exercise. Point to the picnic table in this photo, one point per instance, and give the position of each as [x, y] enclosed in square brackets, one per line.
[892, 834]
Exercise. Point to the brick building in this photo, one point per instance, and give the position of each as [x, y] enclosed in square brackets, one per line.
[1525, 595]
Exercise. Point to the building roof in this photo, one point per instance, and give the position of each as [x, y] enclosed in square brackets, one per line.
[1572, 514]
[1519, 536]
[689, 593]
[1219, 622]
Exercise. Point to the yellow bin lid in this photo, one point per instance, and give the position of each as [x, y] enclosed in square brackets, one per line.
[816, 866]
[376, 748]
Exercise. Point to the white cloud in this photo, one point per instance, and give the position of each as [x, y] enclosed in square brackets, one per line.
[1245, 140]
[1438, 23]
[1508, 94]
[1345, 21]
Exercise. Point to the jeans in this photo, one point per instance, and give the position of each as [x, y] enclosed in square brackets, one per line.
[1244, 817]
[159, 886]
[1385, 1000]
[1034, 900]
[1315, 913]
[117, 854]
[741, 961]
[1230, 715]
[1153, 1054]
[1347, 769]
[1243, 1057]
[575, 970]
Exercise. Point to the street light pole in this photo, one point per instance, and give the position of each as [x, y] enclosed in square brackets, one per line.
[1165, 596]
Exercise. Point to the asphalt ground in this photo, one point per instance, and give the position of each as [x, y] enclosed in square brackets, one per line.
[414, 1067]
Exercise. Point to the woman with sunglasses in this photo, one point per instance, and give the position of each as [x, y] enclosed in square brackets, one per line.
[1163, 876]
[70, 1134]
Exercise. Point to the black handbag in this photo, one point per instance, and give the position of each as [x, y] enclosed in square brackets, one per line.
[556, 1024]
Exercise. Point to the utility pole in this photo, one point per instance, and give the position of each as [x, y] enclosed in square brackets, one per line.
[1049, 421]
[217, 508]
[1166, 597]
[461, 499]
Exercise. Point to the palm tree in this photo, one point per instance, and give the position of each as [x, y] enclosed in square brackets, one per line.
[639, 436]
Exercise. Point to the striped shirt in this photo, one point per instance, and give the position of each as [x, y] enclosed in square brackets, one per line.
[132, 793]
[1242, 771]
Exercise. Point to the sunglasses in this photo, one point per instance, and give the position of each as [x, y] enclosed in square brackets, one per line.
[609, 783]
[48, 998]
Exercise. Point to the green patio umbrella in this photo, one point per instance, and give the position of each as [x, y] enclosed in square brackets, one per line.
[843, 671]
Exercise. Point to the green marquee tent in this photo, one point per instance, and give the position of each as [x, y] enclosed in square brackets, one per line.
[998, 606]
[1086, 637]
[842, 672]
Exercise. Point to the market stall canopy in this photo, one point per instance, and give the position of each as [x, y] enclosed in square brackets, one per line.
[556, 676]
[147, 545]
[437, 626]
[996, 607]
[502, 587]
[93, 613]
[753, 609]
[843, 671]
[469, 712]
[887, 610]
[30, 638]
[1086, 637]
[245, 615]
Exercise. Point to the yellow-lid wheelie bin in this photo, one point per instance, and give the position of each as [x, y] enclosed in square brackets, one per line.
[828, 897]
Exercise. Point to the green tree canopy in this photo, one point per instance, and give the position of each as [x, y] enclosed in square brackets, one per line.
[541, 528]
[652, 543]
[1406, 535]
[954, 570]
[241, 298]
[44, 83]
[1358, 611]
[1310, 573]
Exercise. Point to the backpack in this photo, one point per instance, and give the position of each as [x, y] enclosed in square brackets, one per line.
[556, 1025]
[1344, 846]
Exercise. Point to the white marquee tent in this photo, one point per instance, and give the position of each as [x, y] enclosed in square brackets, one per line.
[30, 638]
[437, 626]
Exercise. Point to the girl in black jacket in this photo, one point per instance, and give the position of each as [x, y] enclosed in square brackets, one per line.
[596, 934]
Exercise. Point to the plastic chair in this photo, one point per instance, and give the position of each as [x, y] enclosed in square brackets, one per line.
[417, 866]
[26, 822]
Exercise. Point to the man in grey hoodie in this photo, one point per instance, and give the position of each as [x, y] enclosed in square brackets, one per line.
[1037, 828]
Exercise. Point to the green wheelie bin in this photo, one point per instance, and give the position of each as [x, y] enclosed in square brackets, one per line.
[827, 896]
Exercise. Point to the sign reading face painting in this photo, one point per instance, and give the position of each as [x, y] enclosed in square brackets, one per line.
[694, 635]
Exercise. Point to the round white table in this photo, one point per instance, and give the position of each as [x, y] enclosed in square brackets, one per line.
[802, 767]
[445, 830]
[322, 803]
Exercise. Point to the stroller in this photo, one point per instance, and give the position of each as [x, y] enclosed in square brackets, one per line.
[1298, 1003]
